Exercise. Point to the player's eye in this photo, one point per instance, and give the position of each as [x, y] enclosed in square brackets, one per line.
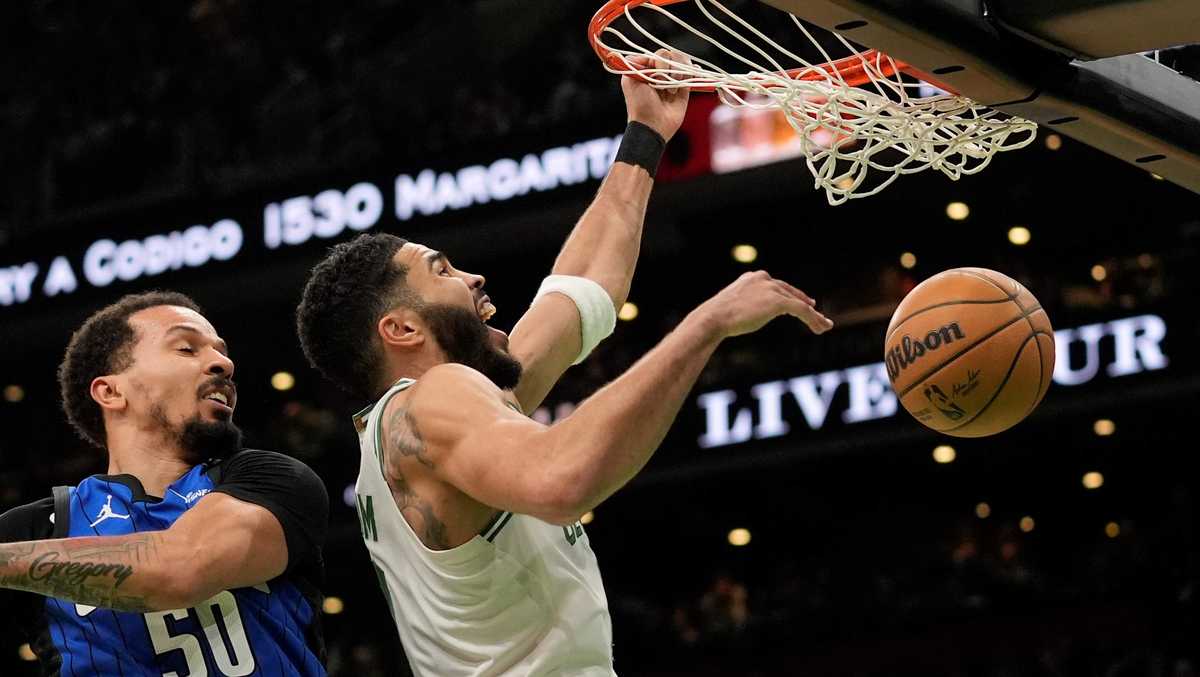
[187, 349]
[445, 271]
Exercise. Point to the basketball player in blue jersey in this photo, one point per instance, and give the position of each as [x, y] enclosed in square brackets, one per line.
[468, 508]
[190, 556]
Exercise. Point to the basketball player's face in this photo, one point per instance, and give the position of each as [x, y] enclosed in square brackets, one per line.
[180, 382]
[456, 309]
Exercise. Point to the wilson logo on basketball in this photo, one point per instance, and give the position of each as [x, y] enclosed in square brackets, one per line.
[909, 350]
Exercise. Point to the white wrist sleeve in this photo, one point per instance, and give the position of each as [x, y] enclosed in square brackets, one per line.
[597, 318]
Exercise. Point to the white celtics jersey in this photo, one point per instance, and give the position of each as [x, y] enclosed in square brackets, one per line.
[522, 598]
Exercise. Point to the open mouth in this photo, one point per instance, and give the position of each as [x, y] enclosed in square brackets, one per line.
[223, 395]
[486, 309]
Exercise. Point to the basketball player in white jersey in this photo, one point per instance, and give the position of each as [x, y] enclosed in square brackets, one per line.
[469, 509]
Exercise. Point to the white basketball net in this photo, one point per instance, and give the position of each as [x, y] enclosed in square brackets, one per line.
[941, 131]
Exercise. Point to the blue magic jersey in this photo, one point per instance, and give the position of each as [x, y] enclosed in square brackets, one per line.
[269, 629]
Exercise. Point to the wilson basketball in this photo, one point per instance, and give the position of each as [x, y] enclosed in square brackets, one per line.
[969, 352]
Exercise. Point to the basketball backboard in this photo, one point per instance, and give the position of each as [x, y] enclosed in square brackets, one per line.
[1093, 70]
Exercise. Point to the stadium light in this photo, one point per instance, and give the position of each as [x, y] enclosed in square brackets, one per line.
[739, 537]
[1019, 235]
[958, 211]
[745, 253]
[283, 380]
[944, 453]
[1104, 427]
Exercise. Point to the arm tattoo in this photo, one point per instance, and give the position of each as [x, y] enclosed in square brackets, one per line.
[405, 438]
[404, 441]
[97, 571]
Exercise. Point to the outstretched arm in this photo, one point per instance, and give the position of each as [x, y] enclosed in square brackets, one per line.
[603, 247]
[266, 515]
[501, 459]
[220, 544]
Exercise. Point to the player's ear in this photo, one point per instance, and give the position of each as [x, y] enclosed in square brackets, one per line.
[401, 328]
[109, 393]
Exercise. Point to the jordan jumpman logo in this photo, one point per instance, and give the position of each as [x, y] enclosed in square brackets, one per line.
[107, 512]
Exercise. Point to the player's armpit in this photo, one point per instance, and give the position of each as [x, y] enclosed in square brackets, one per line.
[546, 341]
[229, 544]
[474, 441]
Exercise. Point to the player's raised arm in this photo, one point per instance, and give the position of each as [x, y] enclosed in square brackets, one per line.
[559, 472]
[576, 306]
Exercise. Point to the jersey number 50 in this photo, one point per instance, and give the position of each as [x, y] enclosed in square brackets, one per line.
[239, 664]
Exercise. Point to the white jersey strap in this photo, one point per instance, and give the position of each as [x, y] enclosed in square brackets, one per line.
[495, 525]
[363, 419]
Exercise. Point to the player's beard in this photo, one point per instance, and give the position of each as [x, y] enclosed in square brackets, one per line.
[465, 340]
[200, 440]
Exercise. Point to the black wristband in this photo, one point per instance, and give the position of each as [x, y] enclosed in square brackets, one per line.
[642, 147]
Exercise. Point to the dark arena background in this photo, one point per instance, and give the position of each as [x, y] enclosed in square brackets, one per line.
[796, 521]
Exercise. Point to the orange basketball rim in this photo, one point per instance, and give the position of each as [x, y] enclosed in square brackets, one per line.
[851, 69]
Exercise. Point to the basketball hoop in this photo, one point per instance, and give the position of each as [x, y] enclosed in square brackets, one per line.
[873, 104]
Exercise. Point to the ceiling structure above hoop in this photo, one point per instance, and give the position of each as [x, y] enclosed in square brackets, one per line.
[1095, 29]
[1018, 59]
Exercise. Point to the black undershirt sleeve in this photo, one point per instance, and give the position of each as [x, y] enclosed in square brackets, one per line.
[29, 522]
[290, 490]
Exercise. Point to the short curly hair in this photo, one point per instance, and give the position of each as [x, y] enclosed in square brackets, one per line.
[104, 345]
[345, 296]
